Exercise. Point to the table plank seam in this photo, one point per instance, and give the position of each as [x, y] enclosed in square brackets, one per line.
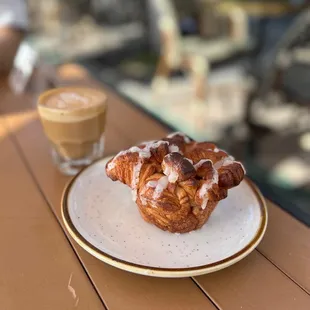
[283, 271]
[212, 300]
[32, 176]
[205, 293]
[286, 210]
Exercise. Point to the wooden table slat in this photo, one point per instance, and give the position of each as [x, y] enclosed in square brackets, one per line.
[287, 244]
[254, 284]
[36, 258]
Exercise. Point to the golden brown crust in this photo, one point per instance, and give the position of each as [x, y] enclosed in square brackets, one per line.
[179, 165]
[176, 182]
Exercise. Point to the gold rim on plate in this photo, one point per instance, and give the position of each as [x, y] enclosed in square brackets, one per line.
[156, 271]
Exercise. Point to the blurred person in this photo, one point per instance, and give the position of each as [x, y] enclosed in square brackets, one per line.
[13, 26]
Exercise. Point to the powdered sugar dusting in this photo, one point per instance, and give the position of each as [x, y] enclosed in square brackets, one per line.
[241, 166]
[228, 160]
[189, 160]
[186, 138]
[160, 187]
[201, 162]
[135, 179]
[154, 145]
[171, 174]
[142, 152]
[204, 190]
[151, 184]
[174, 149]
[135, 175]
[111, 165]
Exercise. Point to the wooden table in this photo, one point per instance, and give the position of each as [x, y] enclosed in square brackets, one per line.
[41, 267]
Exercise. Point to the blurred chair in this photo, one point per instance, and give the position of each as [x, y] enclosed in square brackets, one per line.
[191, 53]
[288, 74]
[173, 57]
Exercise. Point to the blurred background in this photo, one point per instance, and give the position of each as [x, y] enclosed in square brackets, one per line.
[256, 73]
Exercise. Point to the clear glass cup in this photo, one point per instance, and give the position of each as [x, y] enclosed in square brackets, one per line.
[73, 119]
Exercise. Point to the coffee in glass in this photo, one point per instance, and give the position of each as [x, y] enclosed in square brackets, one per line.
[73, 119]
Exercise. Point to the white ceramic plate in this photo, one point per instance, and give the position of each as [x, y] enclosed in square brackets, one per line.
[102, 218]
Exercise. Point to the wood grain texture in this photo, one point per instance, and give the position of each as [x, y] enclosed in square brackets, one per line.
[36, 259]
[253, 284]
[287, 245]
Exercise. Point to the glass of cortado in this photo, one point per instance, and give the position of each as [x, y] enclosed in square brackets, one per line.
[74, 119]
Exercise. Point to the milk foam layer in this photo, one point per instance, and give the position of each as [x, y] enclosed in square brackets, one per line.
[71, 104]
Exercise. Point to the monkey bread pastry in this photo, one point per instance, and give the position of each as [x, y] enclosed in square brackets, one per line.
[176, 182]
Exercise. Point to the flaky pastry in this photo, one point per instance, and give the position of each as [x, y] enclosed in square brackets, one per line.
[176, 182]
